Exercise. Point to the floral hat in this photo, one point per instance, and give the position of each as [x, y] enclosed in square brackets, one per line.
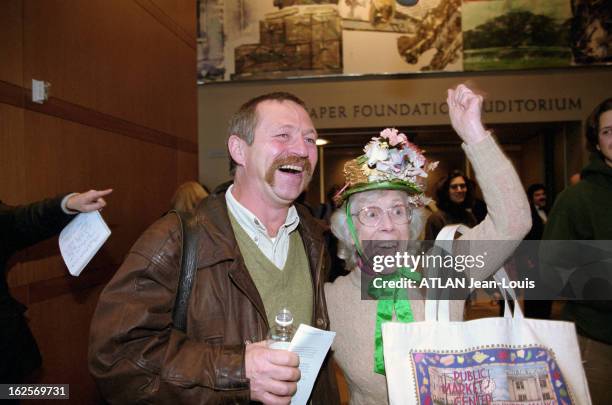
[390, 162]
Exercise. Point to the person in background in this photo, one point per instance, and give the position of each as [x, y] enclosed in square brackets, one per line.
[324, 213]
[479, 208]
[583, 212]
[187, 196]
[536, 193]
[539, 211]
[20, 227]
[454, 199]
[455, 202]
[258, 252]
[574, 179]
[324, 210]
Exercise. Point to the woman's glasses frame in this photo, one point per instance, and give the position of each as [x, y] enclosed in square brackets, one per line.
[402, 217]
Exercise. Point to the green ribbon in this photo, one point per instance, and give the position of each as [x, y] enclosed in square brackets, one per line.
[351, 227]
[390, 300]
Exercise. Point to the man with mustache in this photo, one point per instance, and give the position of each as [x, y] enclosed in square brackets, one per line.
[257, 253]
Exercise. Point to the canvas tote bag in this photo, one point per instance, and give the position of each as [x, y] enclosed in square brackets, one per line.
[508, 360]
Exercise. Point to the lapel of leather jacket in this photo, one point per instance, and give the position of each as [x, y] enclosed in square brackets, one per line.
[214, 217]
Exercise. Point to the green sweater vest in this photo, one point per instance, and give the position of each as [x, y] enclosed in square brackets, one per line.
[289, 288]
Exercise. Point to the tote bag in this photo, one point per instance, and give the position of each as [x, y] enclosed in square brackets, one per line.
[509, 360]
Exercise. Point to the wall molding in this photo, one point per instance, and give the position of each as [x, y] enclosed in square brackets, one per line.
[19, 97]
[164, 19]
[44, 290]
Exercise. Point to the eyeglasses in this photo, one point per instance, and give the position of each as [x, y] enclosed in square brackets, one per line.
[458, 186]
[371, 216]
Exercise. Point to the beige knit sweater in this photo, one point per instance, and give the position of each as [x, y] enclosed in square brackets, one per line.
[353, 319]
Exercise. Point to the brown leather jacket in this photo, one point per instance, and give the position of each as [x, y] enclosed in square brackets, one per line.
[135, 354]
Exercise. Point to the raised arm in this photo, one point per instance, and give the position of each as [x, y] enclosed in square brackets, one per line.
[509, 217]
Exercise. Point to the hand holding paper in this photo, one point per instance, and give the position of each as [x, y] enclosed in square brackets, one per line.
[81, 239]
[312, 345]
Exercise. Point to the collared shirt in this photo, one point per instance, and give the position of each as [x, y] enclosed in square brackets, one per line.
[275, 249]
[542, 214]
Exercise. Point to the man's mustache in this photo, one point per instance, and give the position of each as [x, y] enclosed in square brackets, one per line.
[293, 160]
[289, 160]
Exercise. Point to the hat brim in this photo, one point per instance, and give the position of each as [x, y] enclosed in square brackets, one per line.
[410, 188]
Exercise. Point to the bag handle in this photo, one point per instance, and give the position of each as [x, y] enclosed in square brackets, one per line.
[189, 264]
[440, 309]
[500, 276]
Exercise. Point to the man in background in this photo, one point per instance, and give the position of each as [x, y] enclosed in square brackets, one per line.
[536, 193]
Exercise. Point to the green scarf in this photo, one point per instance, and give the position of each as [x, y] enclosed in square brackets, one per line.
[390, 300]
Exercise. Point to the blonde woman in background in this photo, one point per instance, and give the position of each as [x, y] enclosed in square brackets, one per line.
[187, 196]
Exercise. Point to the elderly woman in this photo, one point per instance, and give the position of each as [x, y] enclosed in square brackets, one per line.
[383, 201]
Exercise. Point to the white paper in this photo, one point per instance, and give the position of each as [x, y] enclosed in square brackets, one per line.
[312, 345]
[81, 239]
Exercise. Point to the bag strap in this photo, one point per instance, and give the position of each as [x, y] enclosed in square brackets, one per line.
[440, 309]
[189, 265]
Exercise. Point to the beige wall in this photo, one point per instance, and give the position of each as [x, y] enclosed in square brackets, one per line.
[122, 114]
[534, 93]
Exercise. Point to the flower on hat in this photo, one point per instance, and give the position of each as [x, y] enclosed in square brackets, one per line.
[389, 161]
[393, 136]
[393, 157]
[376, 152]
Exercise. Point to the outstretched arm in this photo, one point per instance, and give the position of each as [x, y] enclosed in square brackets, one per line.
[508, 218]
[28, 224]
[91, 200]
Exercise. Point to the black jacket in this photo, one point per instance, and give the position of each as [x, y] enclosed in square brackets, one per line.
[537, 225]
[21, 227]
[582, 212]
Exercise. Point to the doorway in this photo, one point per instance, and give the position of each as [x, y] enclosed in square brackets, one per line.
[547, 153]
